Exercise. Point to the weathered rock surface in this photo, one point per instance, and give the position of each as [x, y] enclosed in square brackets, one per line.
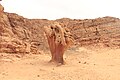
[22, 35]
[100, 31]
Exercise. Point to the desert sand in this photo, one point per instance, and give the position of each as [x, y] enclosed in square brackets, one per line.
[24, 51]
[81, 64]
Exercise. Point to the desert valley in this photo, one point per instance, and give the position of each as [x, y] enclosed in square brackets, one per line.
[25, 54]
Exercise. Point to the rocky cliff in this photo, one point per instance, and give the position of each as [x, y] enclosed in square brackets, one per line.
[22, 35]
[100, 31]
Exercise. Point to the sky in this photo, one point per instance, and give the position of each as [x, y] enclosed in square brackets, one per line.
[55, 9]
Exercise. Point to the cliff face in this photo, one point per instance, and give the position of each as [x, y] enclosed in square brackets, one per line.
[9, 42]
[101, 31]
[22, 35]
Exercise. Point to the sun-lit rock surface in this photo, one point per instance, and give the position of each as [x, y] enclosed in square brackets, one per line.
[22, 35]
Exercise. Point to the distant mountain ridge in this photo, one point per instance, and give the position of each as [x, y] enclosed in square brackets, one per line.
[22, 35]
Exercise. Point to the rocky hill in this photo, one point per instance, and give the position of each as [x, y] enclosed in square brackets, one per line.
[101, 31]
[22, 35]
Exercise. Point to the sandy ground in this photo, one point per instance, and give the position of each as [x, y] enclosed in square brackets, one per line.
[81, 64]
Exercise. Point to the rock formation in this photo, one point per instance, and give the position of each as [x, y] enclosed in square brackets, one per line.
[22, 35]
[59, 40]
[100, 31]
[8, 40]
[1, 8]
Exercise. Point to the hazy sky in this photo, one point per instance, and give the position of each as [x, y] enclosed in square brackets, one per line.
[54, 9]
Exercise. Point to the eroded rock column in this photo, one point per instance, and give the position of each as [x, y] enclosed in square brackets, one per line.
[59, 39]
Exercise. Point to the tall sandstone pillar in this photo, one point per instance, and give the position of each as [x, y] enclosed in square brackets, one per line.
[59, 39]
